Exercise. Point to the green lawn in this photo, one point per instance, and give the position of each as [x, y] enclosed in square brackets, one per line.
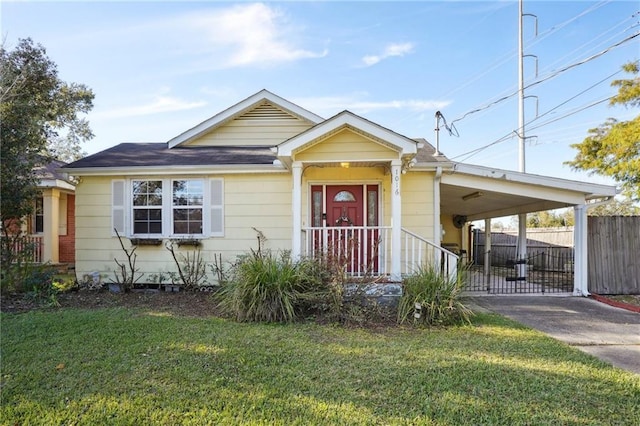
[126, 366]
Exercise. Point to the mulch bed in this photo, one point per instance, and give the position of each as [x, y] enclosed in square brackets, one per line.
[633, 307]
[188, 304]
[184, 303]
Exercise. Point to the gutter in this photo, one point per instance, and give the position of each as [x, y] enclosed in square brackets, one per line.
[185, 170]
[606, 200]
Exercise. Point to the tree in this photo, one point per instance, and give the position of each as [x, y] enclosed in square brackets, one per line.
[36, 108]
[623, 207]
[613, 148]
[550, 219]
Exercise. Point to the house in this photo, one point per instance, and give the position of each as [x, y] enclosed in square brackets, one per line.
[382, 202]
[51, 227]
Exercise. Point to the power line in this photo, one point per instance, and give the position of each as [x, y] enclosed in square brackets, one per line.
[509, 135]
[571, 113]
[537, 39]
[596, 38]
[575, 96]
[555, 74]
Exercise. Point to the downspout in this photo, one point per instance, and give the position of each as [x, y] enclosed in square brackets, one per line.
[437, 226]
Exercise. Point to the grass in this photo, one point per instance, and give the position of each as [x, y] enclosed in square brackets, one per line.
[131, 366]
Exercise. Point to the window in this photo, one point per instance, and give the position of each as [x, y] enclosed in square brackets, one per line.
[188, 198]
[38, 216]
[344, 196]
[167, 207]
[147, 206]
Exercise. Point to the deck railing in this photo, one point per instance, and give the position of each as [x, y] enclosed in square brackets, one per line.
[366, 251]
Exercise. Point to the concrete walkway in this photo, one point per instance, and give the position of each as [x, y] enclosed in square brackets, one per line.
[611, 334]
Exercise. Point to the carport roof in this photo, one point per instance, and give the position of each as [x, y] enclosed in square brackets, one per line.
[478, 192]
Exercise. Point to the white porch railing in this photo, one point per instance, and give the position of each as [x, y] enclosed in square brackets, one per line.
[360, 250]
[418, 251]
[31, 245]
[365, 251]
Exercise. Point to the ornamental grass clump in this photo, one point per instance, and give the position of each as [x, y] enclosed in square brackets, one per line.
[263, 287]
[431, 298]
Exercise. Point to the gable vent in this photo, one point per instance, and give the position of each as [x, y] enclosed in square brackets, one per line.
[266, 111]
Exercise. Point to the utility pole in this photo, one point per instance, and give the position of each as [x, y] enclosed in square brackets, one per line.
[522, 217]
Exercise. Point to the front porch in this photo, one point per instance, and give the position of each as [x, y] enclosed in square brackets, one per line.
[367, 252]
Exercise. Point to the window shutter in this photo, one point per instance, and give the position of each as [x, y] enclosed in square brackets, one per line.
[217, 207]
[117, 207]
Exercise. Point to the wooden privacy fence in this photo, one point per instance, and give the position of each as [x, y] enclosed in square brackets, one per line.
[614, 254]
[547, 248]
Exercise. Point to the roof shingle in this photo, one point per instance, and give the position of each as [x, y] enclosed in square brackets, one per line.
[158, 154]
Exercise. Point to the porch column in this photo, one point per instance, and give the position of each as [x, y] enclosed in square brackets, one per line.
[296, 206]
[581, 271]
[51, 213]
[487, 249]
[396, 221]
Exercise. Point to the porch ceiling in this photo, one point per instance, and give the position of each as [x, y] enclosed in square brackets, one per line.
[483, 204]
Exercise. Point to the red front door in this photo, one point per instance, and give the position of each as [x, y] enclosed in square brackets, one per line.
[349, 211]
[344, 205]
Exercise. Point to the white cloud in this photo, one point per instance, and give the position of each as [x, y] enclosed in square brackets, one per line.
[248, 34]
[159, 104]
[333, 105]
[394, 49]
[216, 36]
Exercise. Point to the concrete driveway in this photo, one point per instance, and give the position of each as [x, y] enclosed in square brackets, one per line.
[611, 334]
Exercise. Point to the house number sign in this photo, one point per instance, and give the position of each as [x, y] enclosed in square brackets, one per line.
[396, 183]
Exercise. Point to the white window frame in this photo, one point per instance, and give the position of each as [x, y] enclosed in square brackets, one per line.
[132, 207]
[213, 211]
[177, 207]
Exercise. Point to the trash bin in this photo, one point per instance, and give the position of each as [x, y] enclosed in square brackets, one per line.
[521, 267]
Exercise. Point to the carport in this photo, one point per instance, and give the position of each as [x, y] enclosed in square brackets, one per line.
[470, 193]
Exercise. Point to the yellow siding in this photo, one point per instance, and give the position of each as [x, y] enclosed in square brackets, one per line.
[252, 203]
[452, 235]
[346, 146]
[262, 202]
[252, 133]
[417, 203]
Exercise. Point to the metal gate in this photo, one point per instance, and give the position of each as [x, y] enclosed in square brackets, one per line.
[545, 270]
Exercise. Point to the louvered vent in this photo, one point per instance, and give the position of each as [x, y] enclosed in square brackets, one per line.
[266, 111]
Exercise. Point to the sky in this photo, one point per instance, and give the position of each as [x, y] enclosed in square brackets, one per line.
[160, 68]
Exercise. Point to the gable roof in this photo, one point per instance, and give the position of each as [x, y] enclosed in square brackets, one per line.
[349, 120]
[242, 107]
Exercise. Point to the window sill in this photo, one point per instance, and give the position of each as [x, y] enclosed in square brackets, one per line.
[146, 241]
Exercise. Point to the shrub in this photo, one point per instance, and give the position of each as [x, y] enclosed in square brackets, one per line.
[192, 272]
[263, 287]
[431, 298]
